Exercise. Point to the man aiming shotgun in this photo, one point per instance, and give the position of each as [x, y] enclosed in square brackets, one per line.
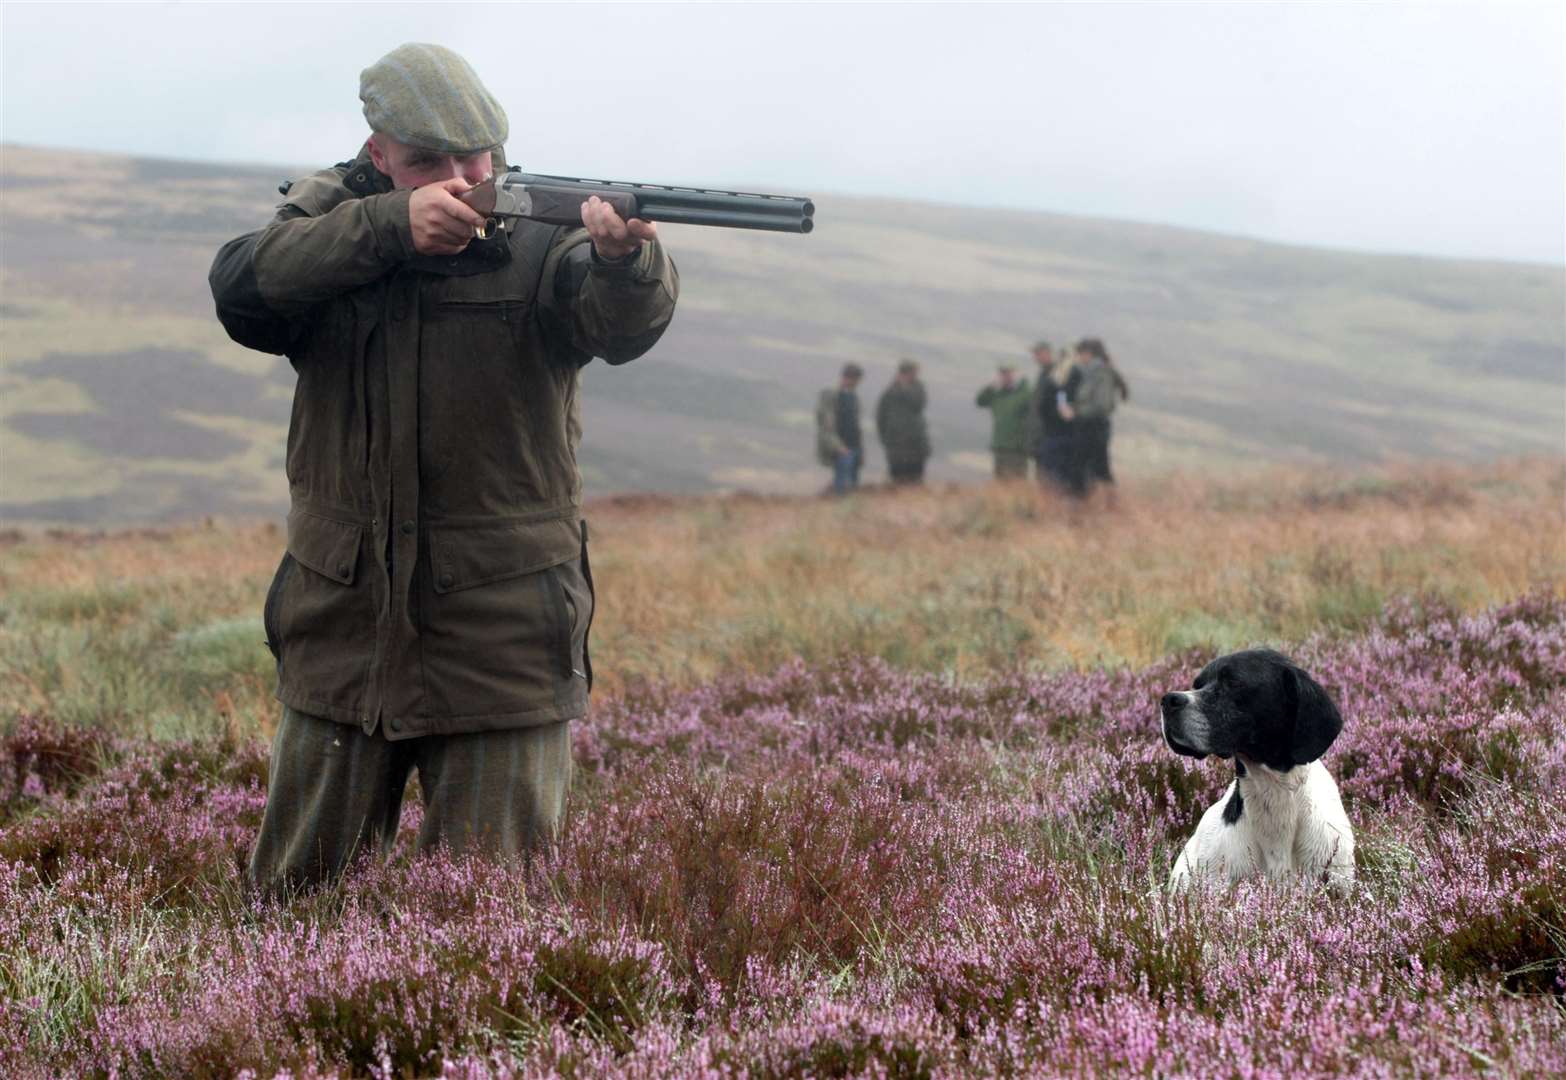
[432, 609]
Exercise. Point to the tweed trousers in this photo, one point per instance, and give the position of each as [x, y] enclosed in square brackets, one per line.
[335, 792]
[1011, 465]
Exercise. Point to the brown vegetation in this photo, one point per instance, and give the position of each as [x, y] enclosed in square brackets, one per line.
[161, 628]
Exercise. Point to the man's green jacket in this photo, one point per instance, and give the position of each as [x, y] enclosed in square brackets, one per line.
[435, 579]
[1009, 407]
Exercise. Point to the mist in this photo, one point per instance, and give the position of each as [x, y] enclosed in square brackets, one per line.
[1428, 130]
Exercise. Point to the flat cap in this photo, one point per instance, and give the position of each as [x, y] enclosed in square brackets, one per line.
[427, 96]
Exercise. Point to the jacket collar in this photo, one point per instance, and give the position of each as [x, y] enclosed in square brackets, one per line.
[362, 177]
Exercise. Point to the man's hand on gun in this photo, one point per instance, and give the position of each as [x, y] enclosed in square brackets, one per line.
[614, 238]
[442, 223]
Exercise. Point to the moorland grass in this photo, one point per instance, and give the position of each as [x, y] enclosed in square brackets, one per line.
[158, 631]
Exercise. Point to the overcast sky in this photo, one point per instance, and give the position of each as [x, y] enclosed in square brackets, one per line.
[1436, 129]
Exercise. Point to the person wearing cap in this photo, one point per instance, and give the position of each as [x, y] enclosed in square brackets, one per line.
[1008, 400]
[900, 423]
[839, 441]
[432, 608]
[1054, 446]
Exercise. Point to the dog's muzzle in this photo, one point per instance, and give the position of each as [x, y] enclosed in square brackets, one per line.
[1172, 707]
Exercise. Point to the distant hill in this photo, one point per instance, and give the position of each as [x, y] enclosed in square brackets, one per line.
[122, 401]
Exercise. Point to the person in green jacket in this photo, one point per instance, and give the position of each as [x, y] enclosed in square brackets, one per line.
[1008, 400]
[899, 420]
[432, 608]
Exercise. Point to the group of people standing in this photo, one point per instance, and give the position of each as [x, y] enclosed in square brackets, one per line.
[1061, 421]
[899, 421]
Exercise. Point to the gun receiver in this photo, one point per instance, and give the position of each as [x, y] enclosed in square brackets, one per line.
[557, 200]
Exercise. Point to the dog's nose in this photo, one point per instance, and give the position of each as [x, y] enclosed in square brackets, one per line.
[1172, 702]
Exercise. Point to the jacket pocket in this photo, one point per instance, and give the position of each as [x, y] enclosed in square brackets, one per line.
[466, 557]
[565, 653]
[500, 627]
[498, 307]
[323, 615]
[274, 593]
[325, 545]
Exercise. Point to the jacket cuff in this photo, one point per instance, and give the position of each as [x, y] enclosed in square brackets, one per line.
[636, 264]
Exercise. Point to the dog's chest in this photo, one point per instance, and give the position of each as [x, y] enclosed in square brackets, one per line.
[1263, 839]
[1255, 830]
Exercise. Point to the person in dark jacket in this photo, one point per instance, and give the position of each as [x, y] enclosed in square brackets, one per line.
[839, 440]
[899, 420]
[1008, 400]
[1056, 449]
[432, 608]
[1098, 390]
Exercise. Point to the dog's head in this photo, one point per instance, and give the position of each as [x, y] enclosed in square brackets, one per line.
[1255, 703]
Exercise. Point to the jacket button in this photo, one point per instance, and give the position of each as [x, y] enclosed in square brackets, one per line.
[408, 527]
[446, 580]
[342, 570]
[395, 723]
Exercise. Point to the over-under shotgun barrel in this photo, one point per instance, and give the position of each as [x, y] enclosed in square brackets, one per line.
[557, 199]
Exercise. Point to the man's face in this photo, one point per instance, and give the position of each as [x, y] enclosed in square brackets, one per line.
[1007, 377]
[1043, 357]
[411, 167]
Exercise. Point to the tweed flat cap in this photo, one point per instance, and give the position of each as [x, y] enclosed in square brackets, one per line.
[427, 96]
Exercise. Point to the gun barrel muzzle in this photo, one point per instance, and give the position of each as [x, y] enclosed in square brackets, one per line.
[794, 220]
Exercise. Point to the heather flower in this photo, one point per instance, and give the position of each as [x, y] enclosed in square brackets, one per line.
[835, 870]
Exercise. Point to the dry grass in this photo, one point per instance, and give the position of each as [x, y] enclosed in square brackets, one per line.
[160, 630]
[982, 580]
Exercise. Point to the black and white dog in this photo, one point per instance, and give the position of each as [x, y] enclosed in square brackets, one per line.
[1282, 815]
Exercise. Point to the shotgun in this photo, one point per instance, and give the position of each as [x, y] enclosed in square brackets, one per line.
[557, 200]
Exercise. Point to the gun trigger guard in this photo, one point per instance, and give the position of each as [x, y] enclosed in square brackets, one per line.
[489, 228]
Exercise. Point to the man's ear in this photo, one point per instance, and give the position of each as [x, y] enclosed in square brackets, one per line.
[377, 153]
[1316, 719]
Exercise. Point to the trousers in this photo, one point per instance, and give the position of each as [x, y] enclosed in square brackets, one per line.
[1011, 465]
[906, 472]
[845, 472]
[335, 792]
[1060, 463]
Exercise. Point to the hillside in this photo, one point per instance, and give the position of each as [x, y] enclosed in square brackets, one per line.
[121, 400]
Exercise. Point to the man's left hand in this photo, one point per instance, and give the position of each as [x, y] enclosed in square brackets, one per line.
[613, 237]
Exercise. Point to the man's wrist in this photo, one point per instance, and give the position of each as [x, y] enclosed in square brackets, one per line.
[622, 262]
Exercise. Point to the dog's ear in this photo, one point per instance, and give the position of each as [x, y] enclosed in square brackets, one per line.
[1316, 719]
